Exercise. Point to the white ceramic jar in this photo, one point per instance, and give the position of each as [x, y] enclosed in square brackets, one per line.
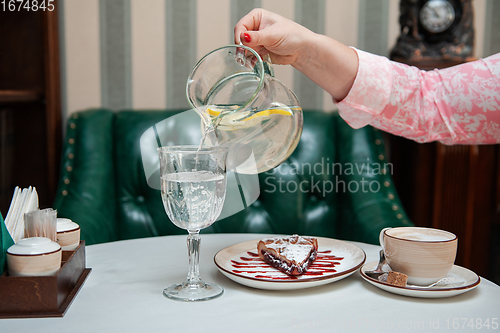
[35, 256]
[68, 234]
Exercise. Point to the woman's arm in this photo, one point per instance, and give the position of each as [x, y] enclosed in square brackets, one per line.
[455, 105]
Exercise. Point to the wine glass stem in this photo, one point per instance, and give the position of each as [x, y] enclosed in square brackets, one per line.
[193, 244]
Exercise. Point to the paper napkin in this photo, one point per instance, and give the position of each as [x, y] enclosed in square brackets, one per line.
[23, 201]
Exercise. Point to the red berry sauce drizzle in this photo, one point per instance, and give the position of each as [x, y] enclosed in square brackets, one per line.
[253, 266]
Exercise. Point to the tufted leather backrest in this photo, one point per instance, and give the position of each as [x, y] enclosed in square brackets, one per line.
[103, 187]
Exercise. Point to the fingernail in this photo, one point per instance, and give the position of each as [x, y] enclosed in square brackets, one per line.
[247, 37]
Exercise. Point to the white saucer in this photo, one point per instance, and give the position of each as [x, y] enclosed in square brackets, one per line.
[464, 278]
[336, 260]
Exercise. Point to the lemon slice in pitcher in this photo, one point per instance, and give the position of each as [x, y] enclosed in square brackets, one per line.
[243, 114]
[244, 119]
[269, 112]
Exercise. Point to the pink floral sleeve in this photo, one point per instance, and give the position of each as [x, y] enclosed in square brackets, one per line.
[457, 105]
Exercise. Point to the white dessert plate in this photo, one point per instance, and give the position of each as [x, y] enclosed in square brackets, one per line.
[336, 260]
[461, 280]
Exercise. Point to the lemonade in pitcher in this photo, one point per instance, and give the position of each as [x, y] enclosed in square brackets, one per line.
[245, 108]
[266, 132]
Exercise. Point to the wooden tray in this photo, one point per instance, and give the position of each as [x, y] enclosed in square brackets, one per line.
[44, 296]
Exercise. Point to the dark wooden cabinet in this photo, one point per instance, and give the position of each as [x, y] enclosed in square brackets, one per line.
[455, 188]
[30, 104]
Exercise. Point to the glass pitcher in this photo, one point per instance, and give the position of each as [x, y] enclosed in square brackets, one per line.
[252, 112]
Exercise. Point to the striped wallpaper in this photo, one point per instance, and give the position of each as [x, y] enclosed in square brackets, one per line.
[123, 54]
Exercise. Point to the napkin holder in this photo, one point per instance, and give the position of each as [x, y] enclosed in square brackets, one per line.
[44, 296]
[5, 242]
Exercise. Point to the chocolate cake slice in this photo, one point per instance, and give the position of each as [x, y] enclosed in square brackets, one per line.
[292, 254]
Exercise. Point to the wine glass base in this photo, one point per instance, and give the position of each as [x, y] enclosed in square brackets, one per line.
[193, 293]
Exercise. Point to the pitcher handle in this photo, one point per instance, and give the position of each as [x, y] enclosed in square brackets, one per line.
[268, 68]
[240, 55]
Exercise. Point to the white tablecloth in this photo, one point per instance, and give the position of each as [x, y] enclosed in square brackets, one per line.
[123, 293]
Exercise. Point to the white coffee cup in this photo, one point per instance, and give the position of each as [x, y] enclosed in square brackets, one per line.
[424, 254]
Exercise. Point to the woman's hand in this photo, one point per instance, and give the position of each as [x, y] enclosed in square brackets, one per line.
[267, 32]
[330, 64]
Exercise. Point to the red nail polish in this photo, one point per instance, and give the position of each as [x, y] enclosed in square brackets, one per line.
[247, 37]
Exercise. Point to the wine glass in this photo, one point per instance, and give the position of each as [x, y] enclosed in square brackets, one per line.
[193, 188]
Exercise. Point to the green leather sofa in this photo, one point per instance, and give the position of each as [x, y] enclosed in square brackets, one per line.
[103, 187]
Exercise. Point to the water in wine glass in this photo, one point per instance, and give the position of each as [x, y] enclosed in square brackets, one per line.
[193, 200]
[193, 188]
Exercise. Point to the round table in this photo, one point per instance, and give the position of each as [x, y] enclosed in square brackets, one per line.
[123, 293]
